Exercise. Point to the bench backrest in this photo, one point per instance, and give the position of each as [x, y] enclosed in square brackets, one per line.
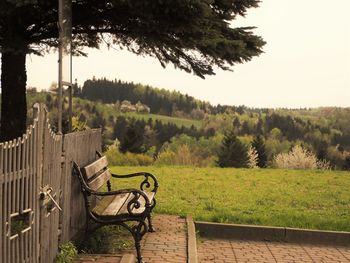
[97, 173]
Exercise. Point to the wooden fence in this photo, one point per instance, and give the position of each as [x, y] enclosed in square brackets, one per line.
[79, 147]
[41, 204]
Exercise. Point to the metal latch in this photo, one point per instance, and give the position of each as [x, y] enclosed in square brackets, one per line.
[46, 193]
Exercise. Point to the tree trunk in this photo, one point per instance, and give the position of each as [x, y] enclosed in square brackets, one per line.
[13, 93]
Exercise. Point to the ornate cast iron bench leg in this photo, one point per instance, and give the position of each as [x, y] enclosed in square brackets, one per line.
[138, 231]
[149, 217]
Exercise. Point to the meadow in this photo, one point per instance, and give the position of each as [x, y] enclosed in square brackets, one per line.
[166, 119]
[310, 199]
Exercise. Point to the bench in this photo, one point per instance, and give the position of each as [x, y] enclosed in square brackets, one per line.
[130, 208]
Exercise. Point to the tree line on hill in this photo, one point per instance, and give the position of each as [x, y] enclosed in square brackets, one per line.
[287, 128]
[257, 136]
[138, 136]
[160, 101]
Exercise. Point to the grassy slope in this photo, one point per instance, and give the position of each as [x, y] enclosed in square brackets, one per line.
[166, 119]
[303, 199]
[107, 110]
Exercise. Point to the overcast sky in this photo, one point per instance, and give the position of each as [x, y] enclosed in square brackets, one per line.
[306, 61]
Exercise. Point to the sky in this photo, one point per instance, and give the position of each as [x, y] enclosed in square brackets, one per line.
[306, 61]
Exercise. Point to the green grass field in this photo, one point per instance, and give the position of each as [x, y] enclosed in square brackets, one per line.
[166, 119]
[290, 198]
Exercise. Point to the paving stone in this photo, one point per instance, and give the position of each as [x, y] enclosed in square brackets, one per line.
[242, 251]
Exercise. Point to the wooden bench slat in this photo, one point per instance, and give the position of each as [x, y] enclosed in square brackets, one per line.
[102, 203]
[110, 205]
[124, 208]
[93, 168]
[99, 180]
[115, 206]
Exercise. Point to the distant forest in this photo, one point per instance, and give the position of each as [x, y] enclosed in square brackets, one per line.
[160, 101]
[167, 126]
[293, 123]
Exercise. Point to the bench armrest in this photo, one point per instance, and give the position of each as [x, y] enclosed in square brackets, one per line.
[145, 183]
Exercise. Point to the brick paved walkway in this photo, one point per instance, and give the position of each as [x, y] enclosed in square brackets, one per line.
[235, 251]
[167, 245]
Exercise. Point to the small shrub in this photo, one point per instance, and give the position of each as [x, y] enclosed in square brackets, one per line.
[143, 160]
[336, 156]
[165, 158]
[209, 205]
[67, 252]
[252, 158]
[297, 158]
[78, 124]
[116, 158]
[128, 159]
[323, 165]
[184, 154]
[208, 162]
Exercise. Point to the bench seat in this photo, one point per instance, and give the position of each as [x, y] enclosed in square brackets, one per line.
[117, 205]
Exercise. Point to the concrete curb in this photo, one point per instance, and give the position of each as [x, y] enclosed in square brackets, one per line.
[128, 258]
[191, 241]
[285, 234]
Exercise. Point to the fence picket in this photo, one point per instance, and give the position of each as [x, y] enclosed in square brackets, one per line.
[9, 200]
[5, 204]
[16, 185]
[35, 188]
[2, 194]
[27, 170]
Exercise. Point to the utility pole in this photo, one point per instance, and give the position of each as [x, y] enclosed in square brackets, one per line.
[64, 56]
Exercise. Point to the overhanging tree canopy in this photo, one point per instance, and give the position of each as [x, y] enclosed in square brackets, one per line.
[194, 35]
